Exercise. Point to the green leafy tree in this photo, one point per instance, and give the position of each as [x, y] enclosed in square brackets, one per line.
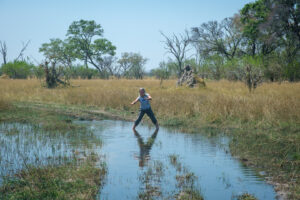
[253, 18]
[233, 70]
[80, 71]
[162, 72]
[214, 65]
[39, 72]
[274, 25]
[59, 51]
[88, 42]
[18, 69]
[284, 20]
[172, 67]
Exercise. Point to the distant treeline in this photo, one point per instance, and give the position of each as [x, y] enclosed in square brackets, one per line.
[260, 43]
[23, 70]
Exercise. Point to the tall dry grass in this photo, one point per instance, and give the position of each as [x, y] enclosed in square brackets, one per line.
[220, 100]
[4, 104]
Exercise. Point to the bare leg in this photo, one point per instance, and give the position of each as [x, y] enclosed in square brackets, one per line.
[133, 128]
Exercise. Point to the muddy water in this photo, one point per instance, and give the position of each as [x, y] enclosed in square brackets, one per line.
[138, 161]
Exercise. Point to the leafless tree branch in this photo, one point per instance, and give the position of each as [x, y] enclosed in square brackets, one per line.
[3, 51]
[24, 47]
[177, 46]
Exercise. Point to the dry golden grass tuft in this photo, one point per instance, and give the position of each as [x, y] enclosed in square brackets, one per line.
[220, 100]
[4, 104]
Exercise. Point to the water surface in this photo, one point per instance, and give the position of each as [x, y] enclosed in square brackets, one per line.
[139, 161]
[128, 156]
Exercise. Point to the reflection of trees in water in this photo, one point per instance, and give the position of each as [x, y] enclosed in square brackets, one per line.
[145, 147]
[211, 142]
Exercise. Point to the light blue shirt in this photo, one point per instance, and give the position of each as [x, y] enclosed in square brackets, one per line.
[145, 104]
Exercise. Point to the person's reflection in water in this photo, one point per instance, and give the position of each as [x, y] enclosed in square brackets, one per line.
[145, 147]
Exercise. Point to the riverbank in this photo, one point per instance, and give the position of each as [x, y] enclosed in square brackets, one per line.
[75, 177]
[264, 125]
[68, 181]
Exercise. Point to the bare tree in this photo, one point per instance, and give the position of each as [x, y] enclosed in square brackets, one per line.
[3, 51]
[177, 46]
[24, 47]
[125, 63]
[222, 38]
[132, 65]
[106, 66]
[112, 67]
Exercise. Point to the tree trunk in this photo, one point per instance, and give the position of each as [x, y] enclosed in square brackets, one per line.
[3, 51]
[86, 61]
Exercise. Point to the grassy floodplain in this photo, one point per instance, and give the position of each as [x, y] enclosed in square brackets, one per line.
[77, 178]
[68, 181]
[264, 125]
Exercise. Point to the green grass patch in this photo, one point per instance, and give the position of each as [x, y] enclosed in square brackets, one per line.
[274, 150]
[246, 196]
[46, 119]
[271, 147]
[68, 181]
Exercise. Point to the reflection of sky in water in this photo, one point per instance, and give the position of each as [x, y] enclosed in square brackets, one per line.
[20, 144]
[219, 175]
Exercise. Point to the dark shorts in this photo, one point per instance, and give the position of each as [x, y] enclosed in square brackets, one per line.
[150, 114]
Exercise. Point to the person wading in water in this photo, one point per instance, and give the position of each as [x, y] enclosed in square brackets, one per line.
[145, 107]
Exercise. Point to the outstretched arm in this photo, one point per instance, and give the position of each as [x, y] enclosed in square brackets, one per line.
[149, 97]
[134, 102]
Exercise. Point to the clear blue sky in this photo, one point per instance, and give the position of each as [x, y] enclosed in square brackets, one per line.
[131, 25]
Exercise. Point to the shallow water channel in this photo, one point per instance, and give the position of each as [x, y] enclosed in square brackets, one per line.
[159, 164]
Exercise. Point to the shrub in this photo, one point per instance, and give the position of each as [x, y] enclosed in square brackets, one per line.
[39, 72]
[18, 69]
[81, 72]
